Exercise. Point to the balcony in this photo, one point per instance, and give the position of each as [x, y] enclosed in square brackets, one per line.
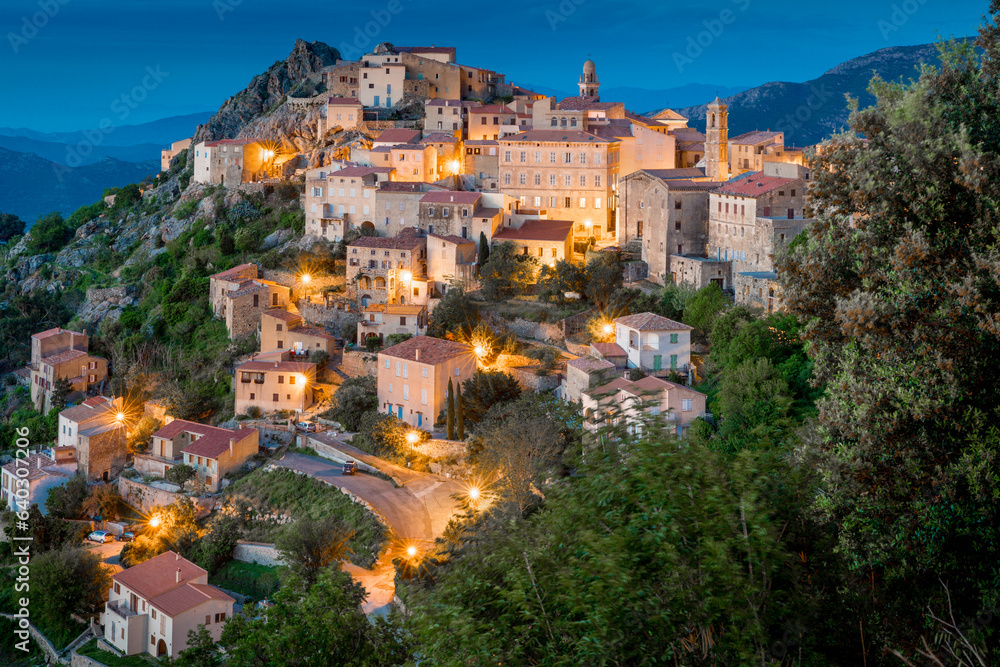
[120, 609]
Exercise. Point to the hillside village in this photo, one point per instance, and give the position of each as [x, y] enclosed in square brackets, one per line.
[407, 293]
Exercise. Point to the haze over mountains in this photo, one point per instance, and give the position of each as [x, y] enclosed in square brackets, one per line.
[42, 172]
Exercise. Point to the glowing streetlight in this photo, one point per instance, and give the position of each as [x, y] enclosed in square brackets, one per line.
[306, 278]
[154, 522]
[411, 551]
[480, 351]
[120, 417]
[608, 329]
[412, 437]
[474, 493]
[406, 276]
[455, 165]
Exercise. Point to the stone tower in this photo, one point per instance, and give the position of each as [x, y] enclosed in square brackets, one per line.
[717, 141]
[589, 84]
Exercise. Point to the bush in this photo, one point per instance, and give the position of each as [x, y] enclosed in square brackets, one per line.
[50, 234]
[253, 412]
[257, 582]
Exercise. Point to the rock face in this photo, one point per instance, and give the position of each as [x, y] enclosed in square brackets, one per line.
[267, 91]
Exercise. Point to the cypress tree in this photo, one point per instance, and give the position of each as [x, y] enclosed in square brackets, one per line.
[459, 413]
[450, 411]
[484, 250]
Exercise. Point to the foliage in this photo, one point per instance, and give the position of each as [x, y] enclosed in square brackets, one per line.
[243, 212]
[565, 276]
[140, 434]
[507, 273]
[450, 410]
[459, 413]
[180, 475]
[455, 312]
[49, 234]
[486, 389]
[384, 436]
[250, 579]
[68, 581]
[10, 226]
[201, 650]
[176, 531]
[353, 398]
[605, 273]
[47, 533]
[483, 250]
[396, 339]
[66, 500]
[308, 546]
[92, 650]
[321, 624]
[13, 656]
[104, 501]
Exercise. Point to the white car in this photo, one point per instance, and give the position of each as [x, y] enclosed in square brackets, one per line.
[101, 537]
[308, 427]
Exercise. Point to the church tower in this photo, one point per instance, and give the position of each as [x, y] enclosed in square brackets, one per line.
[717, 141]
[589, 84]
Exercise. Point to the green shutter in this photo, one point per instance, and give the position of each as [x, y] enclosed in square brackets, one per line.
[657, 362]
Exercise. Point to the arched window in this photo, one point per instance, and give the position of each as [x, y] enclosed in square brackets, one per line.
[364, 282]
[379, 282]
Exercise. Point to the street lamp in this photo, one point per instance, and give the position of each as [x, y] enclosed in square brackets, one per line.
[608, 329]
[474, 493]
[154, 522]
[456, 166]
[412, 437]
[406, 276]
[120, 417]
[480, 351]
[306, 279]
[411, 551]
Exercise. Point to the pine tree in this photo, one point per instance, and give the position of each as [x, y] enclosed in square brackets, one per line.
[460, 414]
[450, 410]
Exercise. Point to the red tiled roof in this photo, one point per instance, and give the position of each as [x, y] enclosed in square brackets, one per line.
[589, 364]
[451, 238]
[53, 332]
[35, 464]
[188, 596]
[561, 136]
[62, 357]
[398, 136]
[449, 197]
[753, 185]
[432, 351]
[283, 315]
[651, 322]
[286, 366]
[241, 271]
[344, 101]
[490, 108]
[609, 349]
[214, 443]
[348, 172]
[158, 575]
[92, 408]
[388, 243]
[315, 332]
[756, 137]
[536, 230]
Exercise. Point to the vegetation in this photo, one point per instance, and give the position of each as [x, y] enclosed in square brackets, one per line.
[257, 582]
[91, 650]
[507, 273]
[455, 313]
[353, 398]
[309, 546]
[181, 475]
[49, 234]
[486, 389]
[10, 654]
[68, 581]
[10, 226]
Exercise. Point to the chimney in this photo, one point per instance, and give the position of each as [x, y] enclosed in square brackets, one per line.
[418, 355]
[232, 446]
[178, 574]
[39, 461]
[177, 556]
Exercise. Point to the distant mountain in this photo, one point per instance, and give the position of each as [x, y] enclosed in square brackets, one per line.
[65, 153]
[31, 185]
[641, 99]
[809, 112]
[160, 132]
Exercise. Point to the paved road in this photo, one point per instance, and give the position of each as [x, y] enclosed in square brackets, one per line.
[417, 512]
[109, 552]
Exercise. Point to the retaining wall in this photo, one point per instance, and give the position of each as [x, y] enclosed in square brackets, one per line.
[261, 553]
[356, 364]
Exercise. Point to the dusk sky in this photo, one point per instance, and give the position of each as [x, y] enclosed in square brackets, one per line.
[67, 74]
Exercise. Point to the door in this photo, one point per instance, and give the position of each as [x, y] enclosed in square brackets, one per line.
[657, 361]
[420, 419]
[400, 413]
[161, 648]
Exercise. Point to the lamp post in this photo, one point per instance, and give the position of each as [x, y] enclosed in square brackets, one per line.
[306, 279]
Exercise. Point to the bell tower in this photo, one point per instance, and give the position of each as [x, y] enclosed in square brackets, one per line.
[589, 84]
[717, 141]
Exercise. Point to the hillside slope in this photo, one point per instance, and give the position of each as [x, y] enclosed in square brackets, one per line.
[811, 111]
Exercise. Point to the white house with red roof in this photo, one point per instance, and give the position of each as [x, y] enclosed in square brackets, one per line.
[655, 344]
[153, 606]
[27, 481]
[213, 452]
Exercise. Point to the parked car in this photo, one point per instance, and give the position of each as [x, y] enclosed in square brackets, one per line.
[308, 427]
[350, 468]
[101, 536]
[127, 536]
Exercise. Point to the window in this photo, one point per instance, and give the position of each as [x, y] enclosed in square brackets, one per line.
[597, 202]
[524, 156]
[568, 158]
[406, 370]
[538, 179]
[291, 379]
[281, 344]
[677, 205]
[423, 371]
[281, 379]
[552, 180]
[568, 180]
[538, 156]
[552, 155]
[387, 363]
[686, 405]
[523, 179]
[673, 338]
[423, 397]
[583, 180]
[399, 368]
[208, 619]
[583, 202]
[506, 156]
[597, 181]
[583, 158]
[406, 392]
[456, 371]
[506, 179]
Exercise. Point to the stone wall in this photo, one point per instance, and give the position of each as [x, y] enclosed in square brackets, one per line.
[549, 333]
[293, 281]
[579, 349]
[102, 452]
[144, 497]
[96, 295]
[442, 449]
[83, 661]
[529, 381]
[51, 655]
[576, 323]
[334, 318]
[260, 553]
[357, 363]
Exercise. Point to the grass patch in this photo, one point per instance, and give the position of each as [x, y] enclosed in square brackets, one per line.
[91, 650]
[60, 635]
[10, 655]
[275, 491]
[249, 579]
[533, 310]
[306, 451]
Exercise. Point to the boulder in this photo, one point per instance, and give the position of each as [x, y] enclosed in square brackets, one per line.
[274, 239]
[77, 256]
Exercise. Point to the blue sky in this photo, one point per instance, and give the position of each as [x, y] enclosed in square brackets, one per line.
[68, 73]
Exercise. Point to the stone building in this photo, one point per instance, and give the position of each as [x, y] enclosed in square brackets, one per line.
[398, 206]
[382, 270]
[701, 271]
[212, 452]
[462, 214]
[571, 173]
[283, 330]
[413, 377]
[92, 412]
[450, 258]
[230, 162]
[655, 344]
[342, 200]
[549, 241]
[482, 161]
[717, 166]
[63, 354]
[447, 116]
[168, 154]
[748, 151]
[100, 450]
[585, 373]
[485, 121]
[343, 112]
[381, 320]
[239, 297]
[273, 382]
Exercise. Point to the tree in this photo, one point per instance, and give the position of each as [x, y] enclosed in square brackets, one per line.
[702, 309]
[224, 237]
[485, 389]
[176, 530]
[70, 580]
[10, 226]
[513, 452]
[128, 195]
[484, 251]
[66, 501]
[754, 402]
[318, 624]
[138, 437]
[201, 651]
[308, 546]
[898, 282]
[49, 234]
[180, 475]
[508, 273]
[103, 501]
[61, 389]
[450, 410]
[565, 276]
[459, 413]
[321, 358]
[454, 313]
[353, 398]
[605, 274]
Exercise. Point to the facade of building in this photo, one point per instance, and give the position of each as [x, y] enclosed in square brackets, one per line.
[629, 403]
[168, 154]
[450, 258]
[341, 200]
[717, 166]
[274, 383]
[381, 270]
[281, 330]
[153, 606]
[413, 377]
[654, 344]
[343, 112]
[91, 412]
[20, 492]
[212, 452]
[585, 373]
[239, 297]
[748, 152]
[571, 173]
[230, 162]
[63, 354]
[549, 241]
[482, 161]
[382, 320]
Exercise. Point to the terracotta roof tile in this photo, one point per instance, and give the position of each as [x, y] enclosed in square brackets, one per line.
[651, 322]
[559, 136]
[63, 357]
[448, 197]
[431, 351]
[388, 243]
[754, 185]
[159, 574]
[609, 349]
[398, 136]
[242, 272]
[755, 138]
[280, 314]
[536, 230]
[590, 364]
